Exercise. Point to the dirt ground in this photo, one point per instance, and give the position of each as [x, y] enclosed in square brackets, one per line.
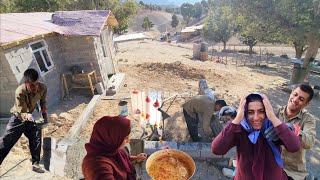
[153, 65]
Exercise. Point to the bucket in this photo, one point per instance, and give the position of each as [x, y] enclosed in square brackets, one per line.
[204, 47]
[203, 56]
[123, 108]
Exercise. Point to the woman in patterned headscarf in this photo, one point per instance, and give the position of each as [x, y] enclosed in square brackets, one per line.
[106, 157]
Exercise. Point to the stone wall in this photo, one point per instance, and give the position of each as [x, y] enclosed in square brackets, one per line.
[15, 60]
[52, 78]
[112, 49]
[65, 52]
[105, 54]
[8, 83]
[101, 60]
[80, 51]
[107, 35]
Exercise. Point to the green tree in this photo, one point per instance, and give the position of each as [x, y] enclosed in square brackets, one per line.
[219, 25]
[123, 13]
[175, 21]
[7, 6]
[141, 3]
[197, 10]
[36, 5]
[249, 41]
[286, 21]
[205, 6]
[186, 12]
[147, 24]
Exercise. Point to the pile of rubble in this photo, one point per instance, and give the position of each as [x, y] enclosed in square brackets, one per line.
[58, 127]
[175, 68]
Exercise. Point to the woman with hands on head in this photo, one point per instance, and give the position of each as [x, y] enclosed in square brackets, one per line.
[258, 157]
[106, 157]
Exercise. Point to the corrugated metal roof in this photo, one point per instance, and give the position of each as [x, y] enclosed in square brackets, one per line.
[130, 37]
[88, 22]
[192, 28]
[21, 26]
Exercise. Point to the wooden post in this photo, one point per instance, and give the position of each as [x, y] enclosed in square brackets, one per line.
[267, 57]
[95, 76]
[65, 84]
[62, 87]
[260, 54]
[90, 83]
[226, 60]
[211, 52]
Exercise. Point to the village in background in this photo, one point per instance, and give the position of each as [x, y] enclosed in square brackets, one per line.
[144, 59]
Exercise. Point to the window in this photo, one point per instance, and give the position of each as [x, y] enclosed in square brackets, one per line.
[41, 55]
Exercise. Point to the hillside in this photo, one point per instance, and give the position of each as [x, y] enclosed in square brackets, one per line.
[169, 2]
[160, 19]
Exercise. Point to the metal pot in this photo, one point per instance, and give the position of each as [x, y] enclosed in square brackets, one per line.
[179, 155]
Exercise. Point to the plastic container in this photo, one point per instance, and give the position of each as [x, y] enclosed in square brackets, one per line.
[204, 47]
[228, 172]
[123, 108]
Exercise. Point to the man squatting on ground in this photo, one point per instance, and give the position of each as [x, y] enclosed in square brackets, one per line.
[27, 96]
[295, 114]
[199, 115]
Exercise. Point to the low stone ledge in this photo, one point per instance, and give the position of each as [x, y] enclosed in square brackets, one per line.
[115, 83]
[67, 155]
[153, 146]
[64, 157]
[83, 118]
[193, 149]
[197, 150]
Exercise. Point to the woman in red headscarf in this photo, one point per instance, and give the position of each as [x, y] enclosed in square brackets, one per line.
[106, 157]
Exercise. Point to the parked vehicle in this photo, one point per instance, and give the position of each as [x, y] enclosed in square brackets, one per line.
[315, 66]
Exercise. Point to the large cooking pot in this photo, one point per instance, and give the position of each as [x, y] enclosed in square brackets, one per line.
[180, 156]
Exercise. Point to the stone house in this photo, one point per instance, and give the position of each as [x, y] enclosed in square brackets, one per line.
[52, 43]
[190, 32]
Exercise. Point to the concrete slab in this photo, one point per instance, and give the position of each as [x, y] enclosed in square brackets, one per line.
[115, 83]
[197, 150]
[153, 146]
[204, 170]
[205, 151]
[83, 118]
[193, 149]
[67, 154]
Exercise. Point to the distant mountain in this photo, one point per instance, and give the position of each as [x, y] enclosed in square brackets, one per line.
[168, 2]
